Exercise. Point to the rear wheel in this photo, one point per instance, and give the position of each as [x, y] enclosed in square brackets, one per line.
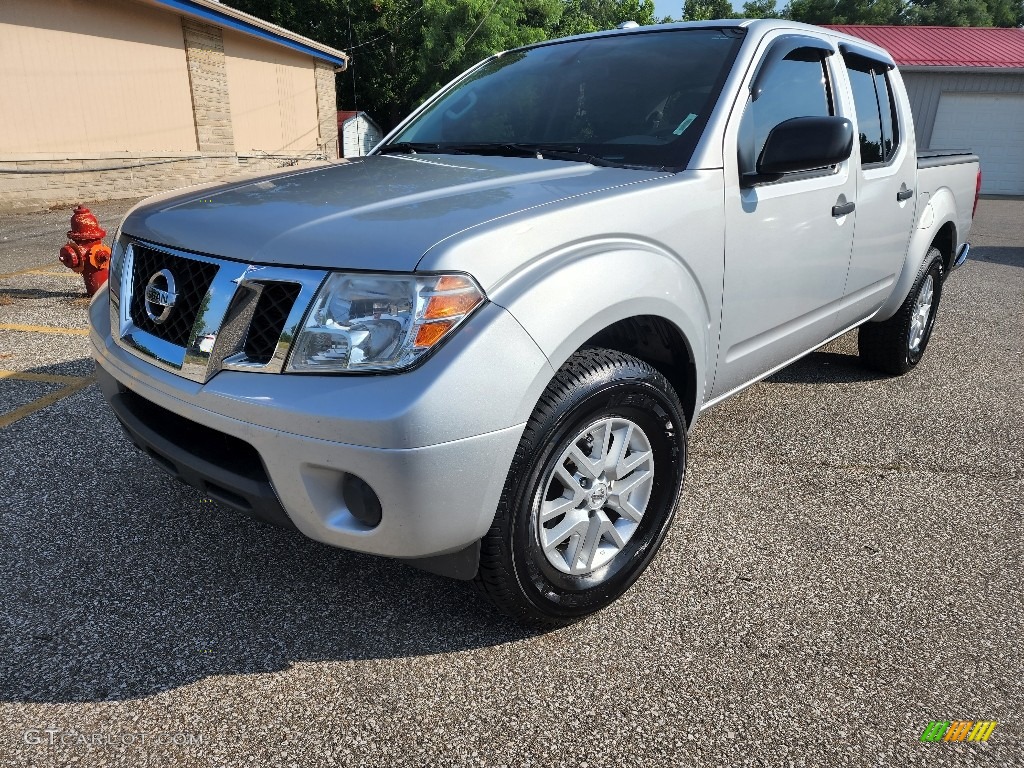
[896, 345]
[591, 491]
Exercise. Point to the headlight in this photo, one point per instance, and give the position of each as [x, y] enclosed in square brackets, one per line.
[380, 322]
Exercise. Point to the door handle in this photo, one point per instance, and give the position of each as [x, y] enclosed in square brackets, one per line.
[841, 208]
[904, 193]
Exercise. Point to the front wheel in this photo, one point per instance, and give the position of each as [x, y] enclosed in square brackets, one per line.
[591, 491]
[896, 345]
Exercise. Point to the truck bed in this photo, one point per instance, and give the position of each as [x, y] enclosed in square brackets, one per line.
[930, 158]
[948, 180]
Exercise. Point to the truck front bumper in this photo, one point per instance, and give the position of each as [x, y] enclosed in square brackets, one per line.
[437, 491]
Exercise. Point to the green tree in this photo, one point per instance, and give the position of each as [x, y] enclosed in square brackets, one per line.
[1007, 13]
[966, 13]
[760, 9]
[943, 13]
[702, 10]
[457, 34]
[846, 11]
[581, 16]
[401, 50]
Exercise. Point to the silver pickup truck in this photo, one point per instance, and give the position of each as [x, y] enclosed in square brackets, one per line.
[481, 348]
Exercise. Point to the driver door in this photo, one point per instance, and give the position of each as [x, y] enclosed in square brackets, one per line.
[788, 242]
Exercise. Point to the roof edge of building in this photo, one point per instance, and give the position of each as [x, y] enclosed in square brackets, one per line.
[975, 49]
[910, 26]
[973, 69]
[346, 120]
[214, 12]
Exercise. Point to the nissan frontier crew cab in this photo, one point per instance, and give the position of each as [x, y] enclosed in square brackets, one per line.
[481, 348]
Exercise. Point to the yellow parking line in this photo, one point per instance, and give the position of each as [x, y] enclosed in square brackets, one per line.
[48, 271]
[49, 378]
[44, 329]
[55, 273]
[27, 410]
[20, 272]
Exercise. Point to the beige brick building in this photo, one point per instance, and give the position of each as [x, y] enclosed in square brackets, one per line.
[122, 98]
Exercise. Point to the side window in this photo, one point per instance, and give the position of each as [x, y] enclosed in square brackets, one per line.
[869, 123]
[796, 86]
[887, 106]
[876, 117]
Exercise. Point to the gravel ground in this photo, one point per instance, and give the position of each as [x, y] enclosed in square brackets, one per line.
[845, 567]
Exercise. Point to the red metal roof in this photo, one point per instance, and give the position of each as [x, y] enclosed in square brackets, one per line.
[945, 46]
[345, 114]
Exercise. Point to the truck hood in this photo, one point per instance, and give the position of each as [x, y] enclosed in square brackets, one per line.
[376, 213]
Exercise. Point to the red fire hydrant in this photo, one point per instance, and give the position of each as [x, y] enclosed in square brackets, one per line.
[86, 254]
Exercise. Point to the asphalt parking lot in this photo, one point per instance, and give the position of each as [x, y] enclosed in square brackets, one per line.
[845, 567]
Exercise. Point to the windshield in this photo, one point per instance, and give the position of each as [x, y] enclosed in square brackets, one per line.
[638, 99]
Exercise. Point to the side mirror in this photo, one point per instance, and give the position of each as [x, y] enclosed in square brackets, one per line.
[803, 144]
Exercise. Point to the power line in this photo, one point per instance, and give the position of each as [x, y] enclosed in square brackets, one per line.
[355, 98]
[472, 34]
[368, 42]
[409, 18]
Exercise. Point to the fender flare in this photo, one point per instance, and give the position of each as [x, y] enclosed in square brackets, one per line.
[939, 211]
[566, 297]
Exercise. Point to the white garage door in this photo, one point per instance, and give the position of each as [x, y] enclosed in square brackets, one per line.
[992, 124]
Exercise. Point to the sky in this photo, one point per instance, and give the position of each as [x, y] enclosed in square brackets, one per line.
[673, 8]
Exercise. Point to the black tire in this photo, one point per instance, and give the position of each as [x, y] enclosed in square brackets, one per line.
[594, 384]
[886, 346]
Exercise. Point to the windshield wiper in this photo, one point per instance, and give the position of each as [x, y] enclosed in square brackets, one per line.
[414, 147]
[540, 151]
[509, 149]
[557, 152]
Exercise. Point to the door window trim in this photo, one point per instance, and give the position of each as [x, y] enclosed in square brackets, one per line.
[875, 67]
[779, 49]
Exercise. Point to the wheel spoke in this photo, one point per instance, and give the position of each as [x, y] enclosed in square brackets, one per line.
[549, 510]
[617, 538]
[625, 487]
[588, 466]
[563, 531]
[572, 553]
[567, 479]
[620, 500]
[620, 439]
[625, 508]
[628, 464]
[604, 432]
[926, 294]
[589, 547]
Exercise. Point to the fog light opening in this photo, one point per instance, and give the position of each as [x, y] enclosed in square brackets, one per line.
[361, 501]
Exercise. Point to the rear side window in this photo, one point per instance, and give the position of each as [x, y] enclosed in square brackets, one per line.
[796, 86]
[887, 105]
[876, 119]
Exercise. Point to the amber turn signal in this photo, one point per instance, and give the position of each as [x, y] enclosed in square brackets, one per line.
[454, 283]
[450, 304]
[428, 335]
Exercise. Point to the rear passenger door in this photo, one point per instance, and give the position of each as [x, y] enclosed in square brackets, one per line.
[886, 170]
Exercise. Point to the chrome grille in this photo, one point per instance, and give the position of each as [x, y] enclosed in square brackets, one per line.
[225, 315]
[193, 279]
[275, 303]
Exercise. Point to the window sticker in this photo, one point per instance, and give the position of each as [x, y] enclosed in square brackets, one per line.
[685, 124]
